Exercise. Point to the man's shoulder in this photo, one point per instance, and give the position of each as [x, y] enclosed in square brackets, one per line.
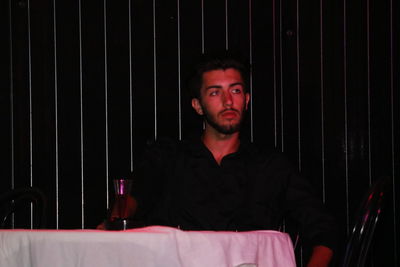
[260, 150]
[163, 145]
[266, 154]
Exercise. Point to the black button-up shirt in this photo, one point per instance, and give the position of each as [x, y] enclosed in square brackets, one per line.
[180, 184]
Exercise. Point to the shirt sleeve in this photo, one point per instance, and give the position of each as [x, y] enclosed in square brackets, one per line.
[149, 178]
[316, 225]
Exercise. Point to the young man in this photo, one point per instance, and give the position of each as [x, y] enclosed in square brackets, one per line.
[221, 182]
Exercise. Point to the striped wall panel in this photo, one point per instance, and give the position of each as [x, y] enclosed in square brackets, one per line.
[88, 83]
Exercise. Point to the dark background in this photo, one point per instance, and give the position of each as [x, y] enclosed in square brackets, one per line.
[85, 84]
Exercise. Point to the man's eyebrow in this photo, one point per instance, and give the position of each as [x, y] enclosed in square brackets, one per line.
[219, 86]
[213, 87]
[235, 84]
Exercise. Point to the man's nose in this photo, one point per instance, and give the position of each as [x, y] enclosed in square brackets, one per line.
[227, 99]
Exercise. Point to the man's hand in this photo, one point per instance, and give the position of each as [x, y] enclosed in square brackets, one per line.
[101, 226]
[124, 208]
[321, 256]
[129, 205]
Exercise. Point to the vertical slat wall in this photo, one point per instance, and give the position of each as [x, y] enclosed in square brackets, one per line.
[88, 83]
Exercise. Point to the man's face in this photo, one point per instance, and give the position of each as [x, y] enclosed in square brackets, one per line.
[223, 101]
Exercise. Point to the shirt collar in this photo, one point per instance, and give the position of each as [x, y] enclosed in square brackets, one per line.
[196, 147]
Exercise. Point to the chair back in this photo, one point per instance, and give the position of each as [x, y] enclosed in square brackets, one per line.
[15, 199]
[365, 223]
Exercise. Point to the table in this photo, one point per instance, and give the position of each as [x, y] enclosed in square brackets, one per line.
[144, 247]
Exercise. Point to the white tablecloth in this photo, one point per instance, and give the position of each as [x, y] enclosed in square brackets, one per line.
[144, 247]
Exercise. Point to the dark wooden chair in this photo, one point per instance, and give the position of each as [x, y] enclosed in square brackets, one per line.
[365, 222]
[14, 200]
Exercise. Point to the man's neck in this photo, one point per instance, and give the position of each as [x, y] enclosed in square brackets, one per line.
[220, 144]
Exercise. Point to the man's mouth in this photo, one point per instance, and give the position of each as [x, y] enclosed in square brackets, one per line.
[229, 113]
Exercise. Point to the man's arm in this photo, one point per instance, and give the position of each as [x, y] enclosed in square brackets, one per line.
[317, 226]
[320, 257]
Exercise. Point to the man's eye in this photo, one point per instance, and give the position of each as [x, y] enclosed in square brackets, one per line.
[236, 91]
[213, 93]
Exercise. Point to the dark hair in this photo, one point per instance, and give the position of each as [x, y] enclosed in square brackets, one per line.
[215, 62]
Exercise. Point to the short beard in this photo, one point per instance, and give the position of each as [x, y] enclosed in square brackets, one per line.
[223, 129]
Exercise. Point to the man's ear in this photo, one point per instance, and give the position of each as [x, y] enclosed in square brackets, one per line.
[197, 106]
[247, 100]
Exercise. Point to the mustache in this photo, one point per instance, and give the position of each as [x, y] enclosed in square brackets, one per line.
[229, 109]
